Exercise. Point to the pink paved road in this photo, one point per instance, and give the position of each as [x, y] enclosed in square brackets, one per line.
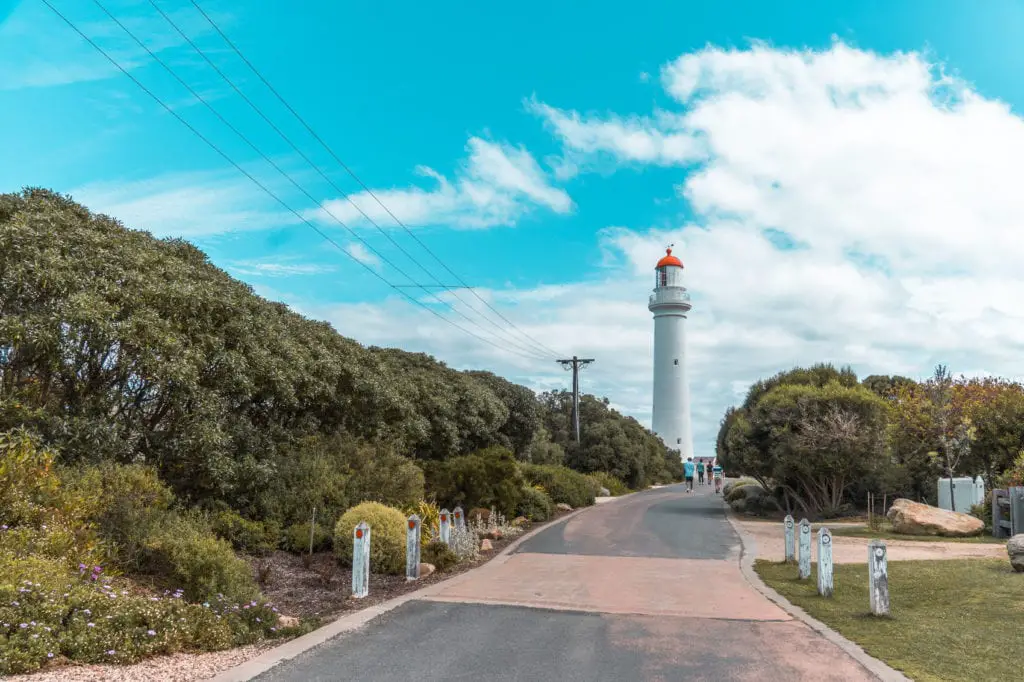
[644, 588]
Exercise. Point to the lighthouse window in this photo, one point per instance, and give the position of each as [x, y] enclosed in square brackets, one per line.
[678, 441]
[676, 361]
[663, 277]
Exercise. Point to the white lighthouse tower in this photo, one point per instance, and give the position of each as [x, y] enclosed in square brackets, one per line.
[670, 303]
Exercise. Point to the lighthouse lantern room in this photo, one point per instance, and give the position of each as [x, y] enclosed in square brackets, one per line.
[670, 304]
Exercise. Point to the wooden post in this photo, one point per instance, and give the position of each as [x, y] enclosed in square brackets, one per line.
[805, 549]
[878, 578]
[1016, 510]
[412, 548]
[460, 518]
[445, 527]
[790, 533]
[870, 525]
[361, 560]
[825, 582]
[997, 514]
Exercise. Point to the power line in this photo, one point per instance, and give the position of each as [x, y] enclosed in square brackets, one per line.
[369, 191]
[280, 170]
[283, 136]
[258, 183]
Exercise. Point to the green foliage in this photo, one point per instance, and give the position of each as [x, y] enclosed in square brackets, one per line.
[387, 537]
[254, 537]
[380, 475]
[609, 482]
[489, 478]
[535, 505]
[563, 485]
[296, 538]
[185, 554]
[1014, 475]
[48, 613]
[430, 518]
[438, 554]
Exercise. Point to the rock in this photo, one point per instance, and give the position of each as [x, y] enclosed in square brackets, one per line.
[485, 545]
[520, 521]
[493, 534]
[426, 569]
[562, 506]
[287, 622]
[1015, 548]
[913, 518]
[604, 492]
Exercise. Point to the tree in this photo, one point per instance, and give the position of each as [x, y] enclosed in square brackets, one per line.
[954, 428]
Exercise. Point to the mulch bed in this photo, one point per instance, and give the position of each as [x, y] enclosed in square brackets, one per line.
[323, 591]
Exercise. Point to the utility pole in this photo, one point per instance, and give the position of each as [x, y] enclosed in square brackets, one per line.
[575, 364]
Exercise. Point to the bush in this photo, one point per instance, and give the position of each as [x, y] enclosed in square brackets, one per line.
[478, 512]
[535, 505]
[188, 556]
[249, 536]
[489, 478]
[733, 485]
[132, 504]
[379, 475]
[387, 537]
[605, 480]
[983, 511]
[430, 519]
[439, 555]
[563, 485]
[296, 538]
[70, 615]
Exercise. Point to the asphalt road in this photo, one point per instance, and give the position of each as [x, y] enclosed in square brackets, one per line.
[643, 588]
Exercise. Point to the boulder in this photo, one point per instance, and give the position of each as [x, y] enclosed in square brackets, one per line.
[604, 492]
[287, 622]
[913, 518]
[485, 545]
[1015, 548]
[426, 569]
[562, 506]
[493, 534]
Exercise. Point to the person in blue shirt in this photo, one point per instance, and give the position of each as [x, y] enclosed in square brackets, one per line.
[716, 471]
[688, 468]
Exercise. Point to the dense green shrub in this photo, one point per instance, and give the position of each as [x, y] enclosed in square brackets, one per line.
[535, 505]
[489, 478]
[609, 482]
[379, 475]
[132, 504]
[296, 538]
[563, 485]
[439, 555]
[387, 537]
[188, 556]
[69, 615]
[255, 537]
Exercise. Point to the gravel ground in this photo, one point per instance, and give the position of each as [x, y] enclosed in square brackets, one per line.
[173, 668]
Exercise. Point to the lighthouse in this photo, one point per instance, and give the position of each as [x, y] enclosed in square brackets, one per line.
[670, 304]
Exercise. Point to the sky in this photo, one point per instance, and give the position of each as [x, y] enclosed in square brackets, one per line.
[841, 180]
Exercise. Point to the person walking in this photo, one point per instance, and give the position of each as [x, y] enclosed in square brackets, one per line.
[716, 471]
[688, 468]
[700, 473]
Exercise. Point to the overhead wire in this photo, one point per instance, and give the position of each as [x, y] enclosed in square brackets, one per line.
[527, 347]
[515, 347]
[363, 185]
[263, 187]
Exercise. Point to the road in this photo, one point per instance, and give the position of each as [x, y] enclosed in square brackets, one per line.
[643, 588]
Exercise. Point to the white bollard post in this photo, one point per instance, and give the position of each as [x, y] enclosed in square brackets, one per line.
[825, 582]
[790, 532]
[412, 548]
[459, 518]
[445, 527]
[878, 578]
[361, 560]
[805, 549]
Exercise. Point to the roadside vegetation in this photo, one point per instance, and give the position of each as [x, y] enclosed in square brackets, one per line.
[950, 620]
[165, 434]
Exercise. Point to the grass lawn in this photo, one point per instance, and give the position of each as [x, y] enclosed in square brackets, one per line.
[951, 620]
[886, 533]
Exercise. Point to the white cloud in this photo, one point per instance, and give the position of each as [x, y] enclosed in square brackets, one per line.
[897, 183]
[187, 205]
[363, 254]
[496, 185]
[277, 267]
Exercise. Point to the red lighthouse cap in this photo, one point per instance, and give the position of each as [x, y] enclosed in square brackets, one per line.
[669, 259]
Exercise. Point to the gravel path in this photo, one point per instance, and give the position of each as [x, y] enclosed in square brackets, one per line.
[173, 668]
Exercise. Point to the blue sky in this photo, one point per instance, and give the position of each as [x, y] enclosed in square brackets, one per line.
[547, 153]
